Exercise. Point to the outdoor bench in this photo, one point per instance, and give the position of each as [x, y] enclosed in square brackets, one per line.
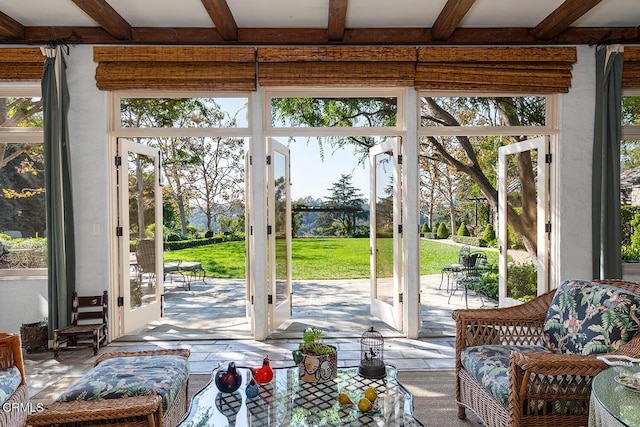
[125, 388]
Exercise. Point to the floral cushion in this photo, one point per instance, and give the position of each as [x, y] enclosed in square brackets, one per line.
[489, 365]
[589, 318]
[10, 380]
[164, 375]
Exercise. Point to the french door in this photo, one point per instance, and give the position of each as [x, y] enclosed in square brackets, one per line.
[386, 264]
[522, 179]
[278, 233]
[140, 231]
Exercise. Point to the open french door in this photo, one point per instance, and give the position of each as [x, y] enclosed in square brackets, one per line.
[140, 227]
[278, 233]
[523, 173]
[386, 234]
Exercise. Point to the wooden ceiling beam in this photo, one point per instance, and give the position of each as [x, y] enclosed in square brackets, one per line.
[449, 18]
[10, 28]
[223, 19]
[318, 36]
[337, 19]
[561, 18]
[106, 16]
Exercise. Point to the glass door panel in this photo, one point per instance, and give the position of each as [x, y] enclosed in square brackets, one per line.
[522, 217]
[140, 205]
[386, 242]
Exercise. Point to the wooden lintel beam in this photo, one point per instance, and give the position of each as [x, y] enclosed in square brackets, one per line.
[449, 19]
[106, 16]
[561, 18]
[318, 36]
[223, 19]
[11, 28]
[337, 19]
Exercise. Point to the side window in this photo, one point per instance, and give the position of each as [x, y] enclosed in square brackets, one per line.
[23, 230]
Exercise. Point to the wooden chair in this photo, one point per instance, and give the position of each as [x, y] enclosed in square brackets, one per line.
[88, 320]
[146, 258]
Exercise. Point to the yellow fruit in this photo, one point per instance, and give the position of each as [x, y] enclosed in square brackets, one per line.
[365, 404]
[371, 394]
[343, 399]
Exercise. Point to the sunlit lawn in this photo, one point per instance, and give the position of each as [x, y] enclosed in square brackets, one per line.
[323, 258]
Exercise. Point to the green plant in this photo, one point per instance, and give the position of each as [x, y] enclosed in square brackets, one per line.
[522, 281]
[463, 231]
[208, 234]
[425, 228]
[443, 231]
[489, 235]
[312, 343]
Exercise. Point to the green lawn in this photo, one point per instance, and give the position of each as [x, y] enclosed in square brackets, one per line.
[324, 258]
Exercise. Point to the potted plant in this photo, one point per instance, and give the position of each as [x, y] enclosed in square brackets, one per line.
[317, 362]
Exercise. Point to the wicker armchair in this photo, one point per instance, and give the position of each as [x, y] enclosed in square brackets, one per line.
[544, 388]
[11, 356]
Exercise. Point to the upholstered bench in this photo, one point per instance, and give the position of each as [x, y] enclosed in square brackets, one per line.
[125, 388]
[13, 388]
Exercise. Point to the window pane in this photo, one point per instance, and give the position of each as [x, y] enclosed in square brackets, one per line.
[630, 182]
[334, 112]
[488, 111]
[20, 112]
[184, 112]
[22, 203]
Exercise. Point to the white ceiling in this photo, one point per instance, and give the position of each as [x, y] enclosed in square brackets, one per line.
[314, 13]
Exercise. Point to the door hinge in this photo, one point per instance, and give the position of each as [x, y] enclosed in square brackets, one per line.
[119, 231]
[399, 228]
[268, 160]
[269, 299]
[118, 161]
[120, 301]
[399, 159]
[250, 160]
[268, 229]
[548, 158]
[251, 230]
[251, 299]
[401, 298]
[547, 227]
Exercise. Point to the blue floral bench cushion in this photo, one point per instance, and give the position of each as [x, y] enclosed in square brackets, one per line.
[164, 375]
[10, 380]
[589, 318]
[489, 365]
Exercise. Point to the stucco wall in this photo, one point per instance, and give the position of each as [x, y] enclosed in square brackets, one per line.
[22, 300]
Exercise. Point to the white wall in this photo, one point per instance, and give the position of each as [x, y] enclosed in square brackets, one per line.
[22, 300]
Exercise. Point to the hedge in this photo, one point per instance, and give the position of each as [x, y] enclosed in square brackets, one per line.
[184, 244]
[471, 241]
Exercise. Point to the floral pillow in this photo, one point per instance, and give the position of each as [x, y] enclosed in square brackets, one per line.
[590, 318]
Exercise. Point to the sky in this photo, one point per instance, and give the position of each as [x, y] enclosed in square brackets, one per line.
[312, 176]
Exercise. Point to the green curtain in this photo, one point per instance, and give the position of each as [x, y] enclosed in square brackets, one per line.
[607, 261]
[60, 234]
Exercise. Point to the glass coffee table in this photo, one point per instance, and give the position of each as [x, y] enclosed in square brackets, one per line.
[286, 401]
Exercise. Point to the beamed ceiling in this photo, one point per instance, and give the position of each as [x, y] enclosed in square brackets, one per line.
[320, 22]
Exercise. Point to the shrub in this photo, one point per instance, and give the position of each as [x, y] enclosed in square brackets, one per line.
[522, 281]
[425, 228]
[443, 231]
[430, 236]
[489, 281]
[489, 235]
[469, 241]
[208, 234]
[462, 230]
[174, 237]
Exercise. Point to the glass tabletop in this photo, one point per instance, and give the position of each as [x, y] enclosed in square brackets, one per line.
[615, 390]
[286, 401]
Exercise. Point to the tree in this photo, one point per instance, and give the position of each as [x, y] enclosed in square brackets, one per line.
[347, 204]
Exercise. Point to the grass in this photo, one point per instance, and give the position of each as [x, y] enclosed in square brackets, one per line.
[321, 259]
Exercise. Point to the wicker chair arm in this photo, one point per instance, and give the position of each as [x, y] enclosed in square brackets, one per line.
[84, 411]
[184, 352]
[557, 364]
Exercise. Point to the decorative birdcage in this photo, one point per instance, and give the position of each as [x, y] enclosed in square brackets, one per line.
[372, 355]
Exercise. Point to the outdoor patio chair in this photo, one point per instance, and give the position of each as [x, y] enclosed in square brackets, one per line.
[468, 276]
[89, 315]
[146, 259]
[452, 269]
[531, 365]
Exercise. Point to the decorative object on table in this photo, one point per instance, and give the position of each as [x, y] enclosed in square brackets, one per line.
[263, 374]
[252, 389]
[228, 380]
[372, 355]
[317, 362]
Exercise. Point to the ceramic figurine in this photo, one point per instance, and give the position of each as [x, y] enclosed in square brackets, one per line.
[263, 374]
[252, 389]
[230, 380]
